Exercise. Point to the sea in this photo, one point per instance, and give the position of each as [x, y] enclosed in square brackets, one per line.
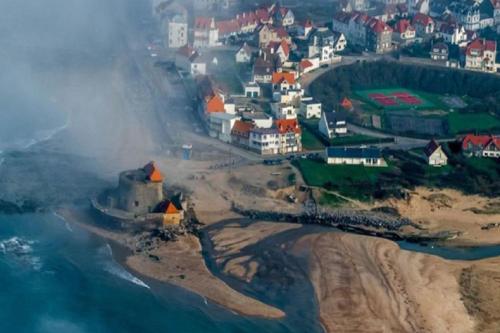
[56, 277]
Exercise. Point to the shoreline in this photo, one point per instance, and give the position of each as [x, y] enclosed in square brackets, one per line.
[174, 271]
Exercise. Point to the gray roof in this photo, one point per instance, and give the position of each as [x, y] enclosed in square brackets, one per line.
[332, 118]
[265, 130]
[356, 152]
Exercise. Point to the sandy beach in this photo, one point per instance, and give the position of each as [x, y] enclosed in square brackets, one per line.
[366, 284]
[180, 263]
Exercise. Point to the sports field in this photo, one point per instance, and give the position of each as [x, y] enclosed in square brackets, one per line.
[394, 99]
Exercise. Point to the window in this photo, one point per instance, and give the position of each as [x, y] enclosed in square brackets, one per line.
[136, 203]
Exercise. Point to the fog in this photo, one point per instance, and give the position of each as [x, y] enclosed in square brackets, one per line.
[70, 64]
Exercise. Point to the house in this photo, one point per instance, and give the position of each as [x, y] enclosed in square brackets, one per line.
[346, 104]
[211, 98]
[403, 32]
[282, 16]
[439, 52]
[177, 29]
[283, 111]
[310, 108]
[363, 30]
[227, 29]
[304, 29]
[173, 213]
[282, 49]
[240, 133]
[481, 55]
[308, 65]
[435, 155]
[244, 54]
[283, 81]
[252, 90]
[264, 67]
[206, 33]
[424, 24]
[467, 12]
[452, 33]
[265, 141]
[221, 125]
[290, 136]
[481, 146]
[332, 124]
[419, 6]
[367, 156]
[258, 119]
[189, 60]
[323, 43]
[496, 12]
[268, 33]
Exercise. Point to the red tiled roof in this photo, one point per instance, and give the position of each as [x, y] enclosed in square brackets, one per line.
[153, 173]
[276, 45]
[422, 19]
[480, 45]
[476, 140]
[378, 26]
[188, 52]
[279, 77]
[346, 103]
[287, 125]
[242, 128]
[203, 22]
[215, 104]
[305, 64]
[402, 26]
[228, 27]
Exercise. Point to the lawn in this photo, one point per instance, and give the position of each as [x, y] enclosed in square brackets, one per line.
[310, 141]
[472, 122]
[354, 181]
[413, 100]
[332, 200]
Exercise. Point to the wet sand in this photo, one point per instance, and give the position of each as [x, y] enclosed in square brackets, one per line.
[366, 284]
[180, 263]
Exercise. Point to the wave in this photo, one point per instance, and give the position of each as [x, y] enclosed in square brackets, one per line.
[22, 251]
[46, 135]
[114, 268]
[67, 225]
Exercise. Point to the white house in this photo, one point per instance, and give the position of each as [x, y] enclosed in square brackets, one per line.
[189, 60]
[367, 156]
[252, 90]
[177, 31]
[206, 33]
[265, 141]
[481, 55]
[331, 124]
[310, 108]
[435, 154]
[284, 111]
[221, 124]
[244, 54]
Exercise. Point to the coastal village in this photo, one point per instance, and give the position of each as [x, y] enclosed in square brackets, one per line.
[280, 166]
[262, 102]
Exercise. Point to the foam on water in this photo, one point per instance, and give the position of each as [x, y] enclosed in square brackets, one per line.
[114, 268]
[47, 135]
[22, 251]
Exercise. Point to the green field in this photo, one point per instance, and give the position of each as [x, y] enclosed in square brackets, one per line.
[310, 141]
[465, 122]
[363, 95]
[353, 181]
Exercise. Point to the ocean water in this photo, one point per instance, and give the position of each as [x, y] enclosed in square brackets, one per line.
[55, 277]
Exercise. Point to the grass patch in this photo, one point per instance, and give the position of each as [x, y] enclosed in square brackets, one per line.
[470, 122]
[332, 200]
[310, 141]
[354, 181]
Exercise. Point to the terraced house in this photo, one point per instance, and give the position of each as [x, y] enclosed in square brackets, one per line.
[481, 55]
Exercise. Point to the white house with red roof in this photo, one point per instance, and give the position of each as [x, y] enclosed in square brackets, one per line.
[244, 54]
[227, 28]
[283, 81]
[281, 48]
[404, 32]
[481, 146]
[424, 24]
[269, 33]
[481, 55]
[189, 60]
[452, 33]
[206, 33]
